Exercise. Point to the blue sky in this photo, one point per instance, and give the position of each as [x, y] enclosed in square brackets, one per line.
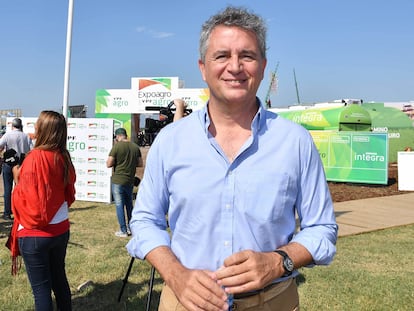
[338, 49]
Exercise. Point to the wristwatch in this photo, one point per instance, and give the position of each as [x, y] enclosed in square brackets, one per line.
[287, 262]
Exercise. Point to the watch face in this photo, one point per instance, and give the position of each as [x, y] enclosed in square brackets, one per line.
[288, 264]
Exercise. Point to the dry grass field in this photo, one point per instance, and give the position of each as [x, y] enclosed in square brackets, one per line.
[372, 271]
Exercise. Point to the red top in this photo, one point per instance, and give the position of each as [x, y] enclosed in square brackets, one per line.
[41, 190]
[46, 232]
[39, 194]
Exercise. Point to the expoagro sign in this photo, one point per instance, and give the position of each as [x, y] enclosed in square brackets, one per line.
[148, 91]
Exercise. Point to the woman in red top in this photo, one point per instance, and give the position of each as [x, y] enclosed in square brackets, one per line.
[41, 199]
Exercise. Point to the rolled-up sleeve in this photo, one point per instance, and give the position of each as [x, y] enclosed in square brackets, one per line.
[149, 222]
[318, 228]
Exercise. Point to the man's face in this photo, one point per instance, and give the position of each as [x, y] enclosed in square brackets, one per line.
[233, 67]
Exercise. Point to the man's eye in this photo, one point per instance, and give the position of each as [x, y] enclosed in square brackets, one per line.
[220, 57]
[248, 58]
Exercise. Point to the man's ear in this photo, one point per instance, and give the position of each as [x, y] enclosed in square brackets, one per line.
[201, 66]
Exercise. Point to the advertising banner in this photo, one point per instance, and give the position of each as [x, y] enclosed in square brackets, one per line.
[154, 91]
[194, 98]
[325, 118]
[120, 120]
[360, 157]
[118, 101]
[145, 84]
[89, 143]
[148, 92]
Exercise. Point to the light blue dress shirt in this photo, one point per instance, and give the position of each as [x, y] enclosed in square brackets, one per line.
[216, 208]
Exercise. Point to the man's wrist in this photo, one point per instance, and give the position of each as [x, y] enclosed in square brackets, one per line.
[287, 262]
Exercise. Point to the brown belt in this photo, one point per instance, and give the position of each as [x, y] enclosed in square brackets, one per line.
[254, 293]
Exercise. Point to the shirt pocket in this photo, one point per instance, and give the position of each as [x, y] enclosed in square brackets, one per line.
[267, 197]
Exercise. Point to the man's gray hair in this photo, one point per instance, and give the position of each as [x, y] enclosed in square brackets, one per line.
[238, 17]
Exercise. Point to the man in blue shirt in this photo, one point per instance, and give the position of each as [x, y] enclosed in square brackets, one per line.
[231, 178]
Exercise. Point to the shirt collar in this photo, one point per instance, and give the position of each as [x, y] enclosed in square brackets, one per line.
[257, 123]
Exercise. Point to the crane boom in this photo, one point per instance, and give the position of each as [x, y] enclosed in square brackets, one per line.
[272, 81]
[296, 86]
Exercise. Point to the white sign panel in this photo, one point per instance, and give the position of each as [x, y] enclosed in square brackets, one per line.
[89, 143]
[406, 171]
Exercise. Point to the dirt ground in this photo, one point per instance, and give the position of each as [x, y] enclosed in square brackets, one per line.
[349, 191]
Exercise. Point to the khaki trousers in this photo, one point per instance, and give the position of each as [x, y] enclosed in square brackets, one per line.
[281, 297]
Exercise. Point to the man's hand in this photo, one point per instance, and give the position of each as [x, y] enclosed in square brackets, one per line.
[197, 290]
[16, 173]
[248, 271]
[180, 106]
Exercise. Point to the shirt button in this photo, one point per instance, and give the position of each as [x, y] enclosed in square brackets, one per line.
[226, 243]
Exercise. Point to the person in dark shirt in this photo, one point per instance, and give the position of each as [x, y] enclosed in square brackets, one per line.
[124, 157]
